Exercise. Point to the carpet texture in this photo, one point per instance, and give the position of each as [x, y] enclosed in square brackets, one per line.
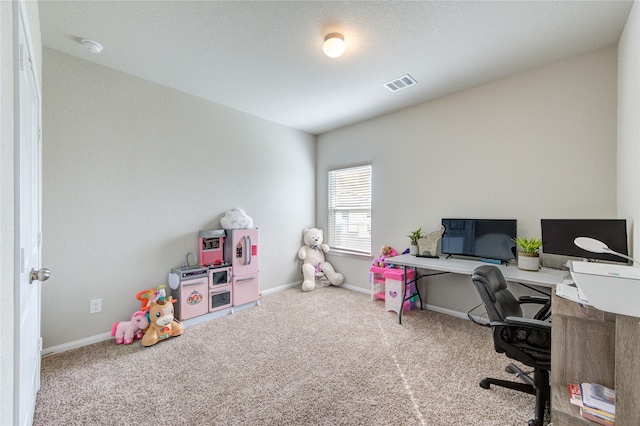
[327, 357]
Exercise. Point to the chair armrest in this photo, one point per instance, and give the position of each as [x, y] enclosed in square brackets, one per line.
[520, 322]
[544, 312]
[528, 323]
[533, 299]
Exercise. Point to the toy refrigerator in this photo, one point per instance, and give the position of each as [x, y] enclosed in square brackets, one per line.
[241, 250]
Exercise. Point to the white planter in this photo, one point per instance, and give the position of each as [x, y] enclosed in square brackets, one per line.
[413, 249]
[529, 261]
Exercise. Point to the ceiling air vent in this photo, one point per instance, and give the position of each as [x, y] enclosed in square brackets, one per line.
[400, 83]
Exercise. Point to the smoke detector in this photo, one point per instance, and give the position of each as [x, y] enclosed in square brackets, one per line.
[92, 46]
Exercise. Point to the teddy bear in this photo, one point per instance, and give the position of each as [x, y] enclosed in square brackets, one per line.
[385, 252]
[313, 261]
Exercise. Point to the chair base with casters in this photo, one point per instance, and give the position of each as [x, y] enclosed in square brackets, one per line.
[522, 339]
[542, 391]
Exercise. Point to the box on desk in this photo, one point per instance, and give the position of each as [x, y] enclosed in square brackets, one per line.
[386, 284]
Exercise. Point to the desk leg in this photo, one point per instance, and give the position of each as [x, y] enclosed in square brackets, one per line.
[404, 292]
[404, 289]
[417, 278]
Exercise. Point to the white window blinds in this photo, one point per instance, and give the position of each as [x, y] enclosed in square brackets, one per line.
[350, 209]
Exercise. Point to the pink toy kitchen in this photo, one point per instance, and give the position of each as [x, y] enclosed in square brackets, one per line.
[224, 276]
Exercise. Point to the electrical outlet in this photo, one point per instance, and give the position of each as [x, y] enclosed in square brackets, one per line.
[95, 306]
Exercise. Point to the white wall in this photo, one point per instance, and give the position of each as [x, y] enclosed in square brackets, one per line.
[629, 123]
[132, 171]
[535, 145]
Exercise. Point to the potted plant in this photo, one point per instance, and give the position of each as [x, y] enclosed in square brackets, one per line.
[528, 256]
[414, 237]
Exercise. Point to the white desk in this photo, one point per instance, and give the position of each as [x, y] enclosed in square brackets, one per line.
[544, 277]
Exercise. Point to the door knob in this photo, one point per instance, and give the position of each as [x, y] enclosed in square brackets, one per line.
[41, 275]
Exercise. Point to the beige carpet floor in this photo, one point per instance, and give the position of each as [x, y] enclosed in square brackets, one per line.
[327, 357]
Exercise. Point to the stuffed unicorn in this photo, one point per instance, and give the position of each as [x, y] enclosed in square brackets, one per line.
[126, 331]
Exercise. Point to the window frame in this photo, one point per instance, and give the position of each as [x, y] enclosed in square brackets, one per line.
[350, 245]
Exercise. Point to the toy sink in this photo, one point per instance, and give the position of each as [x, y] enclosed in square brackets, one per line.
[191, 268]
[190, 272]
[610, 288]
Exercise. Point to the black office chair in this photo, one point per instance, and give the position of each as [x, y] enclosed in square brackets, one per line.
[523, 339]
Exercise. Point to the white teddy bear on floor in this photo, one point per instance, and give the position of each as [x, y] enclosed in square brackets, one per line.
[314, 265]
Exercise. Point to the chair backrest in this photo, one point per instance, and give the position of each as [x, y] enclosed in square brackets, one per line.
[492, 288]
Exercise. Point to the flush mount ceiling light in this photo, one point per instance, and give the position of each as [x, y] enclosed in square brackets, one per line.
[333, 45]
[92, 46]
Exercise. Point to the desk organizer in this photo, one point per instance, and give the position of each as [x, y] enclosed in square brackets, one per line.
[386, 284]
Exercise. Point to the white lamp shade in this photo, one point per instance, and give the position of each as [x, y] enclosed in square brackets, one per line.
[597, 246]
[333, 45]
[591, 244]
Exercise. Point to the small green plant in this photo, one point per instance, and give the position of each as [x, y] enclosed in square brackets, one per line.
[416, 235]
[528, 245]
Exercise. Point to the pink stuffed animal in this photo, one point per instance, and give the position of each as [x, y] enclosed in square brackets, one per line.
[126, 331]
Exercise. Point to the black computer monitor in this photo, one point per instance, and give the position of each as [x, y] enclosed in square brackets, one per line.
[484, 238]
[558, 237]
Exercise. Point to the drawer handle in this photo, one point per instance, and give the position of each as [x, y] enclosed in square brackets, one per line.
[246, 279]
[198, 282]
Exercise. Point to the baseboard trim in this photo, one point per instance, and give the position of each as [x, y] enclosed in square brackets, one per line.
[51, 350]
[299, 283]
[207, 317]
[280, 288]
[185, 324]
[464, 315]
[442, 310]
[427, 306]
[358, 289]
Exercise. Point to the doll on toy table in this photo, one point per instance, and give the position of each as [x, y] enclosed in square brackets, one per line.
[385, 252]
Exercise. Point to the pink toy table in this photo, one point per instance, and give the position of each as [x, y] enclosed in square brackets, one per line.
[386, 284]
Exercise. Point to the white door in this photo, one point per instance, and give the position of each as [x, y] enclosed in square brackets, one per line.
[28, 347]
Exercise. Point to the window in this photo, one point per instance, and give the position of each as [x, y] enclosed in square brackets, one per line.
[350, 209]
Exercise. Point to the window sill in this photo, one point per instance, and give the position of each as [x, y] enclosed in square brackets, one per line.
[346, 253]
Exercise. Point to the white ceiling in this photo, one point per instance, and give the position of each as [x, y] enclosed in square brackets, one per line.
[265, 57]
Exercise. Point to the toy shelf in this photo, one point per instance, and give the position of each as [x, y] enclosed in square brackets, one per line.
[386, 284]
[379, 295]
[376, 278]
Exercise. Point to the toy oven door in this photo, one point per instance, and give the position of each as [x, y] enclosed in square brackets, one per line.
[220, 298]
